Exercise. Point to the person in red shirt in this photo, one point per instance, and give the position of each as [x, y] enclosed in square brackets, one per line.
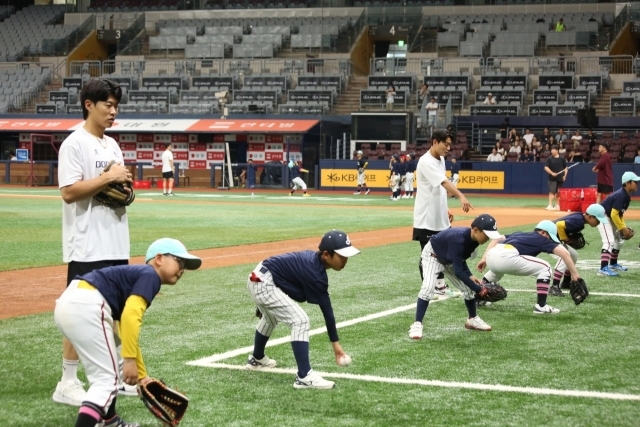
[604, 171]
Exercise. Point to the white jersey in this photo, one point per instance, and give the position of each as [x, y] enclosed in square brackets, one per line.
[431, 210]
[167, 158]
[90, 231]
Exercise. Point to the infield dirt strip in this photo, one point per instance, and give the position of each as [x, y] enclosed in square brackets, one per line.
[35, 290]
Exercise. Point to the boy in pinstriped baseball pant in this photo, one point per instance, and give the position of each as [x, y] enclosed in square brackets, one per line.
[279, 283]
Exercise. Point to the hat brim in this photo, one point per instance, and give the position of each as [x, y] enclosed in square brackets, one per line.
[553, 237]
[347, 252]
[493, 235]
[191, 262]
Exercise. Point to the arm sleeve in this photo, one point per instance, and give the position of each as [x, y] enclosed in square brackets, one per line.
[463, 273]
[617, 220]
[600, 163]
[130, 324]
[330, 321]
[562, 230]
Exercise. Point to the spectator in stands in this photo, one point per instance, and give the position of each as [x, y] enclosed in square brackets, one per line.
[466, 155]
[528, 136]
[536, 150]
[534, 142]
[500, 149]
[504, 128]
[576, 138]
[561, 136]
[518, 141]
[516, 148]
[551, 141]
[432, 113]
[424, 92]
[546, 134]
[560, 25]
[591, 137]
[574, 157]
[512, 135]
[450, 131]
[605, 172]
[489, 100]
[526, 156]
[494, 156]
[12, 155]
[547, 147]
[390, 93]
[637, 159]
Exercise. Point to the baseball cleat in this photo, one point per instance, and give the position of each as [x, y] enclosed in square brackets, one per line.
[119, 422]
[546, 309]
[555, 291]
[617, 267]
[70, 393]
[257, 364]
[357, 193]
[306, 195]
[476, 324]
[127, 390]
[483, 303]
[313, 380]
[415, 331]
[607, 271]
[444, 290]
[369, 191]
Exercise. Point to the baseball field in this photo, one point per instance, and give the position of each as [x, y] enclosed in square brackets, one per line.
[577, 368]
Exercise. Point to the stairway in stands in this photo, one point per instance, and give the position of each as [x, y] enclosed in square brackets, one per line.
[349, 100]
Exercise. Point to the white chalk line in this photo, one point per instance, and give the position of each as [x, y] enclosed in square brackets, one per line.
[448, 384]
[604, 294]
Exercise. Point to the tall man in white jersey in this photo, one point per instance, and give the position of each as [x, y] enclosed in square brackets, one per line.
[431, 214]
[93, 236]
[167, 170]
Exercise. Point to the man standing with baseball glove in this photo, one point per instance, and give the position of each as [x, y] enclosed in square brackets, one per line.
[615, 206]
[570, 233]
[362, 179]
[93, 235]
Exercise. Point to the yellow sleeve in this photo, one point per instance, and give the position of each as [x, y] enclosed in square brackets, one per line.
[365, 165]
[617, 219]
[130, 324]
[562, 230]
[304, 170]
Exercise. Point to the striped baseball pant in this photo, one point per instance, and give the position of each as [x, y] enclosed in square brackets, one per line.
[276, 306]
[431, 268]
[610, 240]
[505, 259]
[561, 266]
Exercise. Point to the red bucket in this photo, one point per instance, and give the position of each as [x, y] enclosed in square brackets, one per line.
[141, 184]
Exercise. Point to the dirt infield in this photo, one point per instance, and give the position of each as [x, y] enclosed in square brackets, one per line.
[35, 290]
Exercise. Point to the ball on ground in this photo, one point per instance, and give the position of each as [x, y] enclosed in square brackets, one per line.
[345, 360]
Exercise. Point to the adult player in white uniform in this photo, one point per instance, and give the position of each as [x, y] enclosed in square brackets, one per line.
[431, 213]
[93, 236]
[167, 171]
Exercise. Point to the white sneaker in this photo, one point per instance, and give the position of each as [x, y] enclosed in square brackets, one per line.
[257, 364]
[477, 324]
[415, 331]
[127, 390]
[313, 380]
[444, 291]
[357, 193]
[556, 208]
[547, 309]
[549, 208]
[70, 393]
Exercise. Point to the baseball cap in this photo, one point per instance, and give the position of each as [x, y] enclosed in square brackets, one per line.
[359, 152]
[338, 242]
[487, 223]
[490, 94]
[598, 211]
[550, 227]
[167, 246]
[629, 176]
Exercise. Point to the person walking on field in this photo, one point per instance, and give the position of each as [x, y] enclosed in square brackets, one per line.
[167, 171]
[556, 167]
[94, 236]
[605, 172]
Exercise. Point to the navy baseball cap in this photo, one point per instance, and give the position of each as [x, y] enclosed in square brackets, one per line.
[173, 247]
[338, 242]
[487, 224]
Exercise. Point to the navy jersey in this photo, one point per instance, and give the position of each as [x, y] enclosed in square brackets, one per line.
[455, 168]
[295, 172]
[531, 243]
[251, 173]
[454, 246]
[618, 200]
[361, 163]
[300, 275]
[573, 223]
[397, 168]
[411, 166]
[118, 283]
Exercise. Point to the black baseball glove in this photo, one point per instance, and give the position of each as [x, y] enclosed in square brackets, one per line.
[258, 313]
[576, 241]
[491, 292]
[165, 404]
[115, 195]
[578, 290]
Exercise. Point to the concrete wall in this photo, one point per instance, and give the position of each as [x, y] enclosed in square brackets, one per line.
[90, 49]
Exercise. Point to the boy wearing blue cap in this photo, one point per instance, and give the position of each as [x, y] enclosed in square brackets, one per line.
[279, 283]
[615, 206]
[85, 314]
[517, 254]
[568, 226]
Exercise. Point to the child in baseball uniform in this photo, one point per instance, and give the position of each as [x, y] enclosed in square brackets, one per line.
[615, 206]
[279, 283]
[517, 254]
[361, 165]
[568, 225]
[394, 181]
[409, 175]
[85, 314]
[296, 170]
[447, 252]
[455, 173]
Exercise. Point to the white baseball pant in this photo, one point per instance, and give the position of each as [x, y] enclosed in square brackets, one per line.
[505, 259]
[454, 179]
[610, 240]
[395, 183]
[84, 317]
[361, 178]
[277, 307]
[561, 266]
[298, 183]
[431, 268]
[408, 182]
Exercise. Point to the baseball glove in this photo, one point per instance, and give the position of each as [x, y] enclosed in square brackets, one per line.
[631, 234]
[165, 404]
[578, 290]
[491, 292]
[576, 241]
[115, 196]
[258, 313]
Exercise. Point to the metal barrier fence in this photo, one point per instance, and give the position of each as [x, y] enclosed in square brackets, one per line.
[62, 47]
[117, 21]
